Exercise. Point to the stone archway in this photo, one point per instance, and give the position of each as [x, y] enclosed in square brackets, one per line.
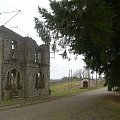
[85, 84]
[13, 82]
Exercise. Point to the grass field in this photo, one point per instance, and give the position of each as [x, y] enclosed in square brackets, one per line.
[65, 88]
[58, 89]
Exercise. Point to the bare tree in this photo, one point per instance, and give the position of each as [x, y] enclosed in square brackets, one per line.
[86, 72]
[78, 73]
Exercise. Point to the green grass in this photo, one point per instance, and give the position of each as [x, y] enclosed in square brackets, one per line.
[67, 92]
[66, 88]
[58, 89]
[100, 84]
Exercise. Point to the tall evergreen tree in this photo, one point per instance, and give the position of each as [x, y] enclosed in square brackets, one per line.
[88, 27]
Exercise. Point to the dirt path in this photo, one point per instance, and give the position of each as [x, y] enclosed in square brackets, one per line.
[92, 105]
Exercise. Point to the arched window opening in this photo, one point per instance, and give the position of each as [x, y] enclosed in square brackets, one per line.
[13, 79]
[39, 80]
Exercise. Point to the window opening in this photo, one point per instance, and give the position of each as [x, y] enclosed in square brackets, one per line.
[13, 79]
[35, 57]
[39, 80]
[39, 57]
[14, 49]
[13, 45]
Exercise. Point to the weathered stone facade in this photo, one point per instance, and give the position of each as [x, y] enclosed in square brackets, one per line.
[24, 66]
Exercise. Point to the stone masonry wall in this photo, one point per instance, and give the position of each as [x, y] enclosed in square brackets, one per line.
[25, 57]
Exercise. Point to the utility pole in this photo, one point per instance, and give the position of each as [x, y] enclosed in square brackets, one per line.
[92, 75]
[71, 78]
[96, 79]
[68, 78]
[83, 74]
[89, 76]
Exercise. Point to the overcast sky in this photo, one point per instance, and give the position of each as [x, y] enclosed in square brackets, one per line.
[23, 24]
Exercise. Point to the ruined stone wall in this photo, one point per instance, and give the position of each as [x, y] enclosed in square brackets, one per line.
[7, 62]
[1, 65]
[34, 66]
[24, 55]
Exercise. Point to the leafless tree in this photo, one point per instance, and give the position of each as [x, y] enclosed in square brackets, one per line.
[78, 73]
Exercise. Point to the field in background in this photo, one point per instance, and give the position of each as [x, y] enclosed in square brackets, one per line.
[69, 87]
[58, 89]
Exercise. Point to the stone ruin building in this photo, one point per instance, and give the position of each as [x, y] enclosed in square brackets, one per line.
[24, 66]
[88, 83]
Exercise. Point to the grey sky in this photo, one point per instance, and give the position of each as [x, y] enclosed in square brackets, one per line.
[23, 24]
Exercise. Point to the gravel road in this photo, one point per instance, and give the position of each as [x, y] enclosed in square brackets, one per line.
[90, 105]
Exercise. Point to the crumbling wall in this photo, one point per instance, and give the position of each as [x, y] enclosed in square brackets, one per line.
[24, 55]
